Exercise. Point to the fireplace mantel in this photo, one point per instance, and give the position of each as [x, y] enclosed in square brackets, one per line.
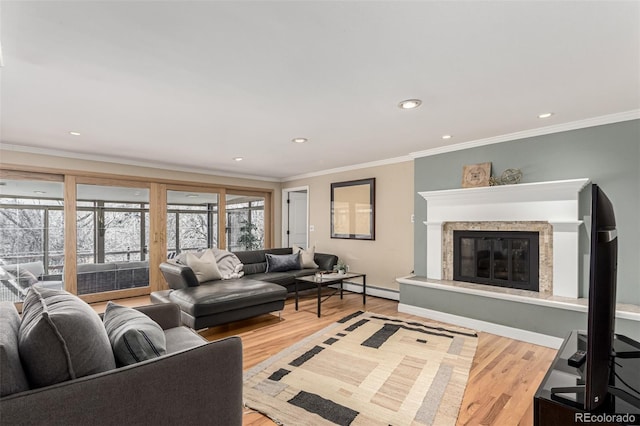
[554, 202]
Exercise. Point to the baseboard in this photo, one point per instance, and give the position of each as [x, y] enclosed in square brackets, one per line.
[384, 293]
[501, 330]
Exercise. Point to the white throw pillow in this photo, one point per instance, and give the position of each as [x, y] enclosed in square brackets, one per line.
[205, 267]
[306, 256]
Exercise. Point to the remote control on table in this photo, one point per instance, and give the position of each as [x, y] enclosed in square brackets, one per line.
[577, 359]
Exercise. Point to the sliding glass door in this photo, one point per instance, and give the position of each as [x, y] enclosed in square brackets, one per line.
[112, 238]
[245, 222]
[192, 221]
[31, 233]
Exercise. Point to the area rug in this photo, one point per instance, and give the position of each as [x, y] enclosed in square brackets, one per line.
[366, 369]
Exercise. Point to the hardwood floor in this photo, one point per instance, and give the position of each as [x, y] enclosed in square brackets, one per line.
[504, 375]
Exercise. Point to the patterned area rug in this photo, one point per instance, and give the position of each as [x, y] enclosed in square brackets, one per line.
[366, 369]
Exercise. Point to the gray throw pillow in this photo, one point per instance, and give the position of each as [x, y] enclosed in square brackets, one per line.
[134, 336]
[12, 376]
[282, 262]
[61, 338]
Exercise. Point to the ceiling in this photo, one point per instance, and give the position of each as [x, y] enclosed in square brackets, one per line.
[191, 85]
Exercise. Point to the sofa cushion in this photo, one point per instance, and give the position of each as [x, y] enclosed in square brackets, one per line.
[282, 262]
[13, 378]
[181, 338]
[61, 338]
[134, 336]
[205, 266]
[306, 257]
[255, 262]
[282, 278]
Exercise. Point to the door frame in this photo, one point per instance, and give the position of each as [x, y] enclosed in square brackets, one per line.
[285, 212]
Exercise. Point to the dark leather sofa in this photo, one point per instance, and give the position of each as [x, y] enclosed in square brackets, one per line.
[218, 302]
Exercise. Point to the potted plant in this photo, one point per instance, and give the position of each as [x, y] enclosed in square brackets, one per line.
[341, 267]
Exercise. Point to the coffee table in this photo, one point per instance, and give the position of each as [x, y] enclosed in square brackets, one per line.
[328, 279]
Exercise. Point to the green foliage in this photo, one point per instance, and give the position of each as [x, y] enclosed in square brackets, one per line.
[249, 238]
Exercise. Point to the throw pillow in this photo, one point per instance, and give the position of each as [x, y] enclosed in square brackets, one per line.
[205, 267]
[306, 257]
[61, 338]
[12, 378]
[282, 262]
[134, 336]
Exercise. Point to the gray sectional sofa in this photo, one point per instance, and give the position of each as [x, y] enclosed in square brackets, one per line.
[195, 382]
[217, 302]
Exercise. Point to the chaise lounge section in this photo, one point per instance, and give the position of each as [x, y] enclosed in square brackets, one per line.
[216, 302]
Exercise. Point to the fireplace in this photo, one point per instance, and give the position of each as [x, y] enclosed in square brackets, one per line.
[549, 208]
[498, 258]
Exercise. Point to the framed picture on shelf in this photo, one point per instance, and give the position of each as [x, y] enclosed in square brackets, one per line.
[476, 175]
[353, 209]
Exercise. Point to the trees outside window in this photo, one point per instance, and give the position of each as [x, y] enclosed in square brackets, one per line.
[31, 232]
[245, 223]
[192, 221]
[112, 229]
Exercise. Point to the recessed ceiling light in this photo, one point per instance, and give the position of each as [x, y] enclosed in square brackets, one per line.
[74, 133]
[192, 195]
[299, 140]
[238, 158]
[39, 192]
[446, 136]
[545, 115]
[410, 104]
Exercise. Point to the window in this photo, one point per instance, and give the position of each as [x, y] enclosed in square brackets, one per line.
[192, 221]
[245, 222]
[114, 217]
[31, 234]
[112, 238]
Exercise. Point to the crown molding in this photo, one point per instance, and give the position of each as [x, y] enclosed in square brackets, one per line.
[129, 162]
[350, 168]
[573, 125]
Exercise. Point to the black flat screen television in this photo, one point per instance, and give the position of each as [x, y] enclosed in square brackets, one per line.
[602, 300]
[597, 385]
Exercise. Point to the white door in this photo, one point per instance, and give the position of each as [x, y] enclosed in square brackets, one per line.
[297, 214]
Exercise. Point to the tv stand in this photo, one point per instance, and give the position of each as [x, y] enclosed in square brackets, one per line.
[561, 394]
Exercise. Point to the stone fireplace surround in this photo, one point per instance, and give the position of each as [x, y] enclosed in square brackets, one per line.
[545, 256]
[550, 208]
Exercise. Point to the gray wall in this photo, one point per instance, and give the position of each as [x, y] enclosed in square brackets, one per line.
[539, 319]
[609, 155]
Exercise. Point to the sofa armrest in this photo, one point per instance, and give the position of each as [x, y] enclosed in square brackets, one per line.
[167, 315]
[178, 276]
[195, 386]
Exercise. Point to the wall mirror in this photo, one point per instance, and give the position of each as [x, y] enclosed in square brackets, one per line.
[353, 209]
